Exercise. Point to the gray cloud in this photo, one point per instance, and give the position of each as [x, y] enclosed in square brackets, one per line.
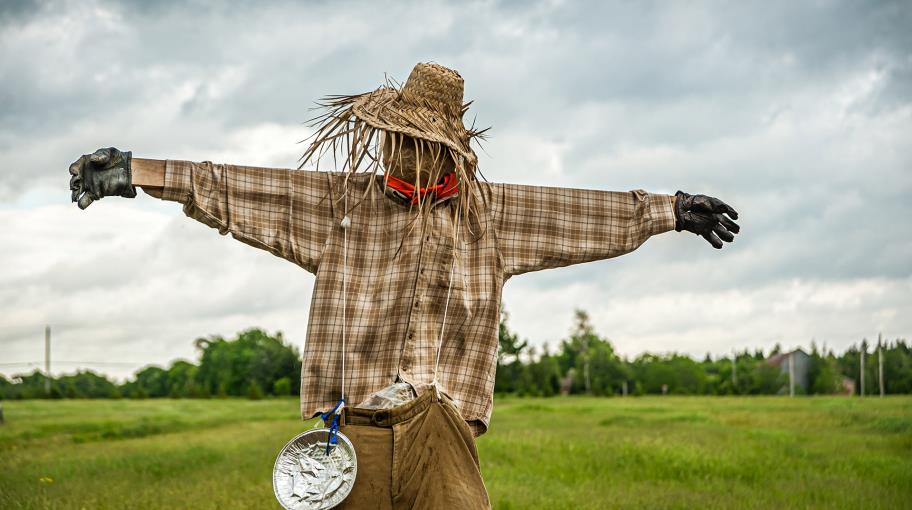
[798, 114]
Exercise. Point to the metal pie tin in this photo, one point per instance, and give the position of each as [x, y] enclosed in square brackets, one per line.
[305, 478]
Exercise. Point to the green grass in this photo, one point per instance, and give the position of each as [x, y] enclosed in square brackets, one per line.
[654, 452]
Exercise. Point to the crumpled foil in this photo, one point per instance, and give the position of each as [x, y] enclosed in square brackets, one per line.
[393, 395]
[306, 478]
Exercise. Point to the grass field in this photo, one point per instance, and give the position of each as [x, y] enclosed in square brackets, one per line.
[652, 452]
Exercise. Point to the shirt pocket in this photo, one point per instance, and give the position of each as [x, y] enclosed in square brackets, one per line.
[443, 264]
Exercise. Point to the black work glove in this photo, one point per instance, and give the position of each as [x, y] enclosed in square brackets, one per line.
[705, 216]
[104, 173]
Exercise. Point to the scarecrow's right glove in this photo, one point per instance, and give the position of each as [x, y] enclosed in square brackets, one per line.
[104, 173]
[705, 216]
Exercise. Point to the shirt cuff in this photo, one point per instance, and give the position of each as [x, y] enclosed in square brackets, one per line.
[478, 427]
[178, 185]
[663, 215]
[178, 175]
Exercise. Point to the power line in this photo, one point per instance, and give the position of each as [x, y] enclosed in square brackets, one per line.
[124, 363]
[113, 363]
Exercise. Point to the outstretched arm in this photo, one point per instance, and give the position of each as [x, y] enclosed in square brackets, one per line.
[541, 227]
[286, 212]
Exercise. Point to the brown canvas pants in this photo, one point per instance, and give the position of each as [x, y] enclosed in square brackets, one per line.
[420, 455]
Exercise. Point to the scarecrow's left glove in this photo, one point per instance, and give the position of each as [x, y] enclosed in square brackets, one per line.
[104, 173]
[706, 217]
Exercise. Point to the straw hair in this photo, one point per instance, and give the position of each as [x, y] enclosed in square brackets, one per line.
[367, 132]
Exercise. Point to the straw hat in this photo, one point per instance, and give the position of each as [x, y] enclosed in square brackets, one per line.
[428, 107]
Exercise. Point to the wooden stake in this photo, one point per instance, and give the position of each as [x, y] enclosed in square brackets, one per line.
[148, 172]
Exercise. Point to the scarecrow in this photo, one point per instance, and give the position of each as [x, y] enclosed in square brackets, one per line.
[410, 247]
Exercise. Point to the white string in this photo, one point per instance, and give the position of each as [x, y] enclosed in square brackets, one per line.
[346, 223]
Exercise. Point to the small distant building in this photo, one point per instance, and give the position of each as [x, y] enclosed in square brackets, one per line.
[847, 386]
[801, 364]
[566, 383]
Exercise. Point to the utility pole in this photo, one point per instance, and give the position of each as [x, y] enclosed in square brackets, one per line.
[880, 364]
[791, 376]
[734, 371]
[624, 389]
[861, 369]
[47, 360]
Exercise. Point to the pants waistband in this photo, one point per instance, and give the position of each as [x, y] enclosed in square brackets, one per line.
[394, 415]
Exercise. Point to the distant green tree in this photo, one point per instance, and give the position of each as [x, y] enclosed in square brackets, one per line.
[282, 387]
[898, 367]
[33, 386]
[526, 385]
[546, 374]
[229, 367]
[574, 351]
[607, 371]
[678, 374]
[509, 345]
[511, 372]
[87, 384]
[8, 390]
[182, 380]
[721, 375]
[823, 376]
[153, 381]
[254, 391]
[765, 379]
[590, 360]
[743, 364]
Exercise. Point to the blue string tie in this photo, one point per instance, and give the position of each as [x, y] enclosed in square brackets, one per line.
[336, 414]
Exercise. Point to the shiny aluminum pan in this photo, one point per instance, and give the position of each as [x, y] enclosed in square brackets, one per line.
[305, 478]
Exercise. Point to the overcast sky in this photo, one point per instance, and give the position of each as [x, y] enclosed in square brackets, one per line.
[799, 114]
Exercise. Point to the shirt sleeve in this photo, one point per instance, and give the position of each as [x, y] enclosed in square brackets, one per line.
[285, 212]
[543, 227]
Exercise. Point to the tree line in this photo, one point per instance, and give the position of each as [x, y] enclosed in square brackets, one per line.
[256, 364]
[586, 363]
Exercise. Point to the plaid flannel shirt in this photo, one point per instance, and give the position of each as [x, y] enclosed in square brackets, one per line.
[397, 283]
